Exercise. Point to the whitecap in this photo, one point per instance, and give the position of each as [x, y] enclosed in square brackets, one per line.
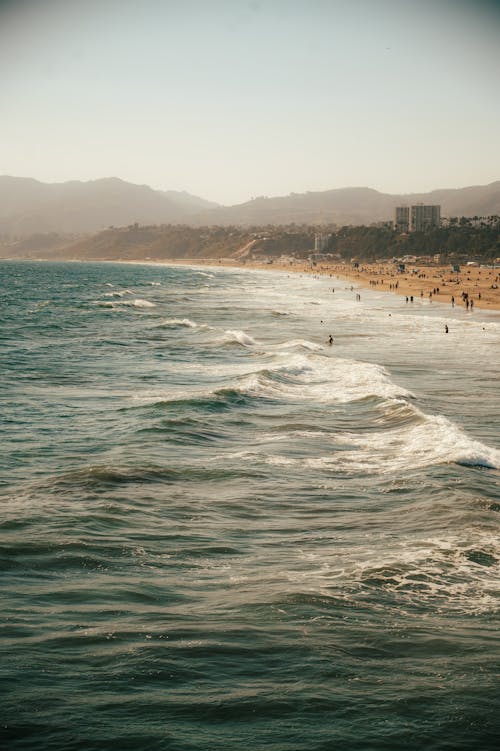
[324, 379]
[174, 322]
[304, 343]
[450, 572]
[239, 337]
[138, 303]
[105, 304]
[428, 441]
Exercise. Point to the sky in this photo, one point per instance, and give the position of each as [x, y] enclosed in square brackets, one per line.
[233, 99]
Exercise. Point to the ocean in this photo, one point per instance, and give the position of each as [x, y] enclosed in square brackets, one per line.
[220, 533]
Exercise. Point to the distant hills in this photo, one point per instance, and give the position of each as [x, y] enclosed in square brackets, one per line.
[352, 206]
[29, 207]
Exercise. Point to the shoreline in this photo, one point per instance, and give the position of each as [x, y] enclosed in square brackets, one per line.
[434, 283]
[437, 284]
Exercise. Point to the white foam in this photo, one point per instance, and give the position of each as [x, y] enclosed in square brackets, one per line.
[138, 303]
[120, 304]
[173, 322]
[303, 343]
[115, 294]
[323, 379]
[444, 572]
[150, 397]
[238, 336]
[429, 441]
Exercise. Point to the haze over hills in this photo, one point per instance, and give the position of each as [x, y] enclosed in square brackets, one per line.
[28, 206]
[352, 206]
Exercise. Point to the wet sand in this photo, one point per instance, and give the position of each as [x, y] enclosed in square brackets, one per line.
[436, 283]
[432, 282]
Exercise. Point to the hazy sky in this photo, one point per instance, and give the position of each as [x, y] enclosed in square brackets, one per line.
[230, 99]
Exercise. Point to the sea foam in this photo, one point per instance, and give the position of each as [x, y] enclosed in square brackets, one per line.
[176, 322]
[430, 440]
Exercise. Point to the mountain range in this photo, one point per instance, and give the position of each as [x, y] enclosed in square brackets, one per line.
[28, 207]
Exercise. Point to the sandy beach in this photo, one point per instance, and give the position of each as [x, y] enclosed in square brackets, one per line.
[435, 283]
[480, 287]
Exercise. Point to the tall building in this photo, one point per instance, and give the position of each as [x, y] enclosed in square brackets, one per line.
[417, 218]
[424, 217]
[402, 220]
[320, 242]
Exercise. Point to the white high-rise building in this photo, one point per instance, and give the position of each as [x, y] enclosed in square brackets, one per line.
[402, 219]
[417, 218]
[320, 242]
[424, 217]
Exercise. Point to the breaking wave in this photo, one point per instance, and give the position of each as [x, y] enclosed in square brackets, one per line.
[177, 322]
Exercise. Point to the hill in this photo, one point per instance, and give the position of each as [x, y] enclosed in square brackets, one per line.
[458, 241]
[28, 206]
[355, 206]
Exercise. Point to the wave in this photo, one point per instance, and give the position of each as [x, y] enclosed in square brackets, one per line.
[450, 572]
[102, 475]
[237, 337]
[176, 322]
[426, 441]
[216, 400]
[117, 293]
[139, 303]
[433, 440]
[300, 378]
[324, 379]
[120, 304]
[302, 343]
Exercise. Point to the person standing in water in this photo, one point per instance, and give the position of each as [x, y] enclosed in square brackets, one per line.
[330, 340]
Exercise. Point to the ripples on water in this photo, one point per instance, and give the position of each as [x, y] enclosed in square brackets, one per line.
[220, 533]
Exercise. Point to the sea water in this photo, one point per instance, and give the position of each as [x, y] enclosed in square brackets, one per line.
[218, 532]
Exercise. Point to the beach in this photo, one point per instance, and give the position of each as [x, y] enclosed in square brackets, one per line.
[433, 283]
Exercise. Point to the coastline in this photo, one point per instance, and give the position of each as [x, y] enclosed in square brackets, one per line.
[437, 284]
[434, 283]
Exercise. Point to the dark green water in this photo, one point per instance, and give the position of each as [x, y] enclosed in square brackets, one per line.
[219, 533]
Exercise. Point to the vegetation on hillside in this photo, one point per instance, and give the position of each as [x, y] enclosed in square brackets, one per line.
[462, 240]
[459, 241]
